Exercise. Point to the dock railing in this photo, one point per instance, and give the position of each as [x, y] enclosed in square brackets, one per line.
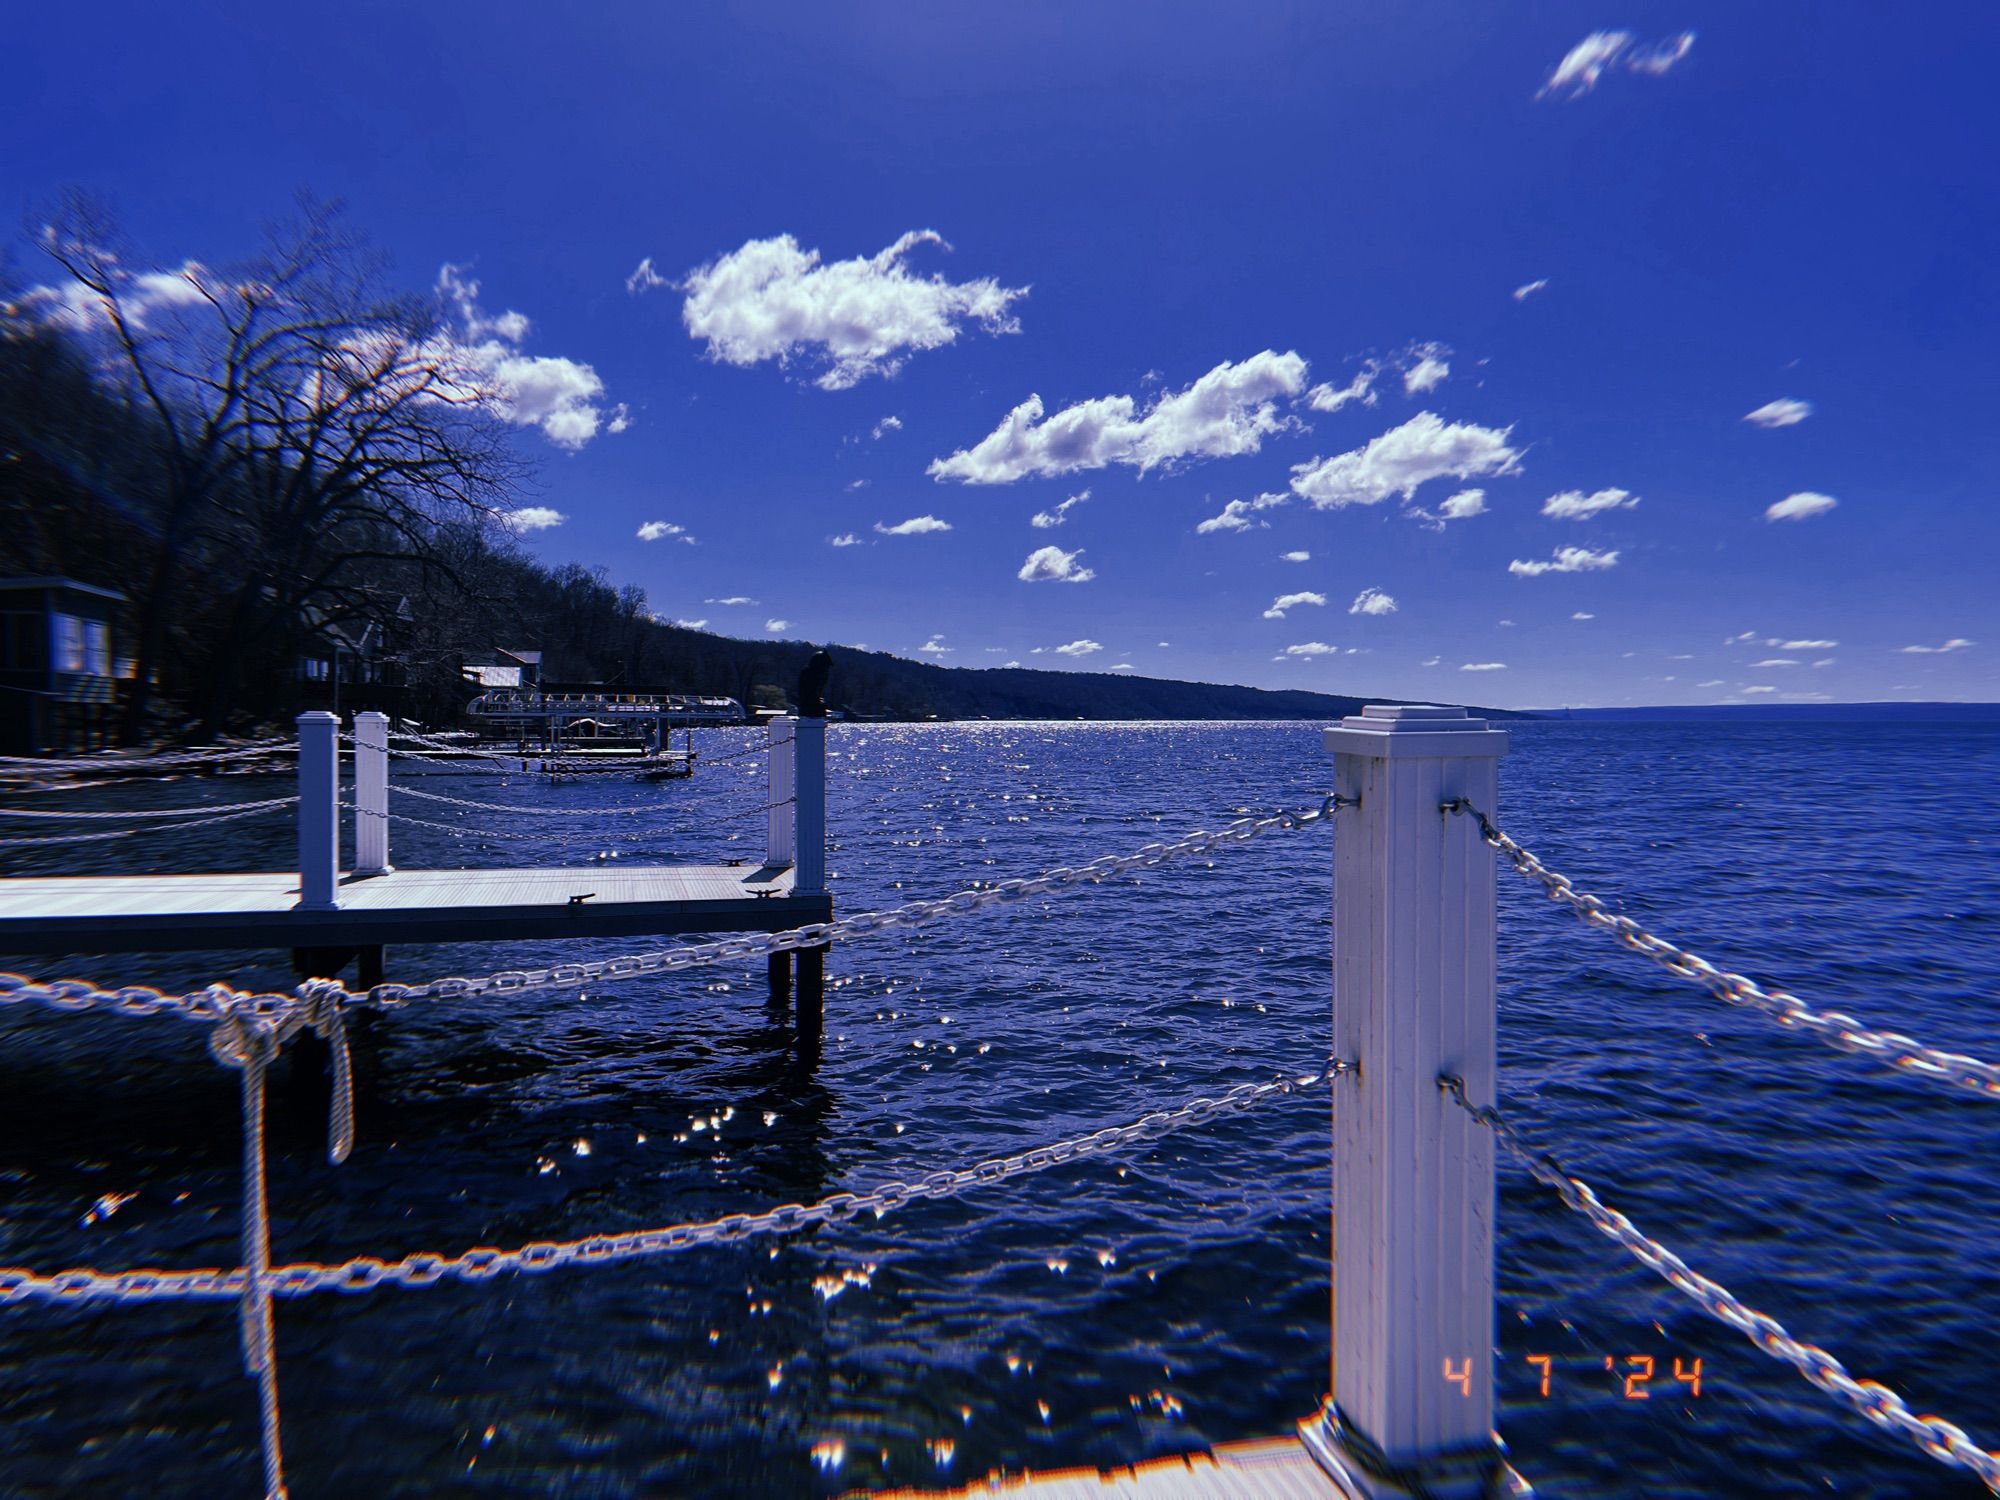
[1411, 1406]
[1416, 1121]
[796, 834]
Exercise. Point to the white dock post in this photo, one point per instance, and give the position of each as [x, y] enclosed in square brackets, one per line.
[782, 842]
[1411, 1411]
[809, 821]
[319, 810]
[371, 794]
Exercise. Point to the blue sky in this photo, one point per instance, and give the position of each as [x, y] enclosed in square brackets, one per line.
[1274, 255]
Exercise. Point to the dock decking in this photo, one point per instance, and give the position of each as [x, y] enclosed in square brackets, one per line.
[169, 913]
[1259, 1469]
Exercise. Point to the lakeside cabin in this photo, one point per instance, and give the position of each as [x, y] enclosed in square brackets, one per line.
[58, 671]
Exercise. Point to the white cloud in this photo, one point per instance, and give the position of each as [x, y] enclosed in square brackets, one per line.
[1312, 648]
[1800, 507]
[1295, 557]
[1807, 645]
[76, 309]
[1045, 519]
[855, 484]
[1748, 691]
[645, 278]
[1954, 644]
[1372, 602]
[1574, 505]
[1712, 682]
[1825, 661]
[733, 599]
[1776, 661]
[915, 526]
[621, 419]
[534, 518]
[1483, 666]
[845, 539]
[484, 357]
[1585, 63]
[1580, 615]
[1429, 371]
[1507, 624]
[689, 624]
[1228, 411]
[652, 531]
[1523, 293]
[1565, 560]
[1053, 565]
[1422, 449]
[1781, 413]
[1121, 666]
[1464, 504]
[775, 626]
[1078, 648]
[882, 428]
[935, 646]
[1431, 661]
[1237, 514]
[1361, 388]
[1292, 601]
[770, 299]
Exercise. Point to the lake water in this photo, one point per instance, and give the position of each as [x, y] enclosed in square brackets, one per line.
[1096, 1313]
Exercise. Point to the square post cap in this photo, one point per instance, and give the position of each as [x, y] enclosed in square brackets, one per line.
[1385, 730]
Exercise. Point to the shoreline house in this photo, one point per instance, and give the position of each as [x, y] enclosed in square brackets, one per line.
[354, 663]
[58, 675]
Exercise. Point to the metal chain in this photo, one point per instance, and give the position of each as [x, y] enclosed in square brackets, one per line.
[207, 1006]
[365, 1273]
[136, 814]
[1942, 1440]
[287, 1012]
[1838, 1030]
[748, 947]
[43, 840]
[36, 763]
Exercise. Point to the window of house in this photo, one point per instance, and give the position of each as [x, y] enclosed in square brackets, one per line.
[97, 648]
[315, 668]
[69, 648]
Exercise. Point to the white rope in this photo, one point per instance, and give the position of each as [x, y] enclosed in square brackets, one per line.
[116, 762]
[42, 840]
[139, 814]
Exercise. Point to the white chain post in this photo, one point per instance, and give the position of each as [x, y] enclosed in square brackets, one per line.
[319, 811]
[809, 806]
[1411, 1410]
[782, 845]
[371, 794]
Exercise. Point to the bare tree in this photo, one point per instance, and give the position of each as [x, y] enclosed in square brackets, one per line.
[315, 430]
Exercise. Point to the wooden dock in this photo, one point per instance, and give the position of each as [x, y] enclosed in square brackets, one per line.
[330, 917]
[1263, 1468]
[176, 913]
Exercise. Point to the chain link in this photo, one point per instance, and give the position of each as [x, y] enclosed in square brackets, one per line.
[1942, 1440]
[252, 810]
[207, 1006]
[365, 1273]
[1838, 1030]
[748, 947]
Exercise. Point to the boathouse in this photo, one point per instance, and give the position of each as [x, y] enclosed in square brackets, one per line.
[58, 675]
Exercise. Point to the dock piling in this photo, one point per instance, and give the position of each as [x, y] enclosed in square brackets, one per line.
[371, 794]
[1413, 1177]
[319, 811]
